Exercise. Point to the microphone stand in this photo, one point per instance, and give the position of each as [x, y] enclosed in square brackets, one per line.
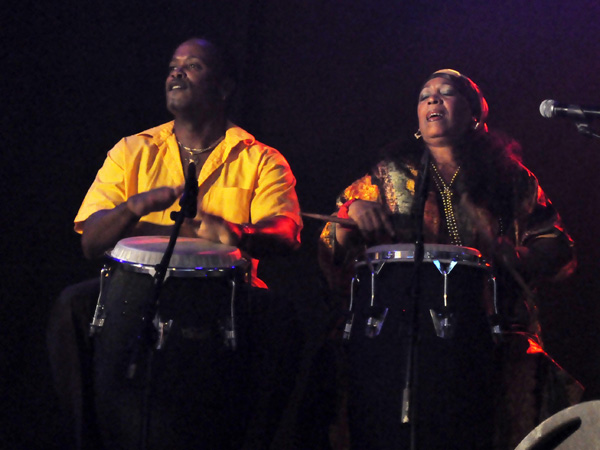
[582, 123]
[147, 337]
[584, 128]
[408, 412]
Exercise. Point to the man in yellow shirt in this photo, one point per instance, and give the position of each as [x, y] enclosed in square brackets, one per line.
[246, 198]
[248, 185]
[246, 189]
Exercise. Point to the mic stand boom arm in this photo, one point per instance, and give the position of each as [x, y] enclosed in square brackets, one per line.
[584, 128]
[582, 123]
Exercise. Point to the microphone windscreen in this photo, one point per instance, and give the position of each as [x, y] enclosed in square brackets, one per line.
[547, 108]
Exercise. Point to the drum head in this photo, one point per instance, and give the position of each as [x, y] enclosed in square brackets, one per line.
[189, 253]
[575, 428]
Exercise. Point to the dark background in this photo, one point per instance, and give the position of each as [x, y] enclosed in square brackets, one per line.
[325, 82]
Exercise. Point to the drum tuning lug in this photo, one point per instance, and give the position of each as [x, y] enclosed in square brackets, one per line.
[348, 327]
[98, 320]
[230, 334]
[163, 329]
[375, 321]
[495, 326]
[99, 312]
[495, 323]
[444, 323]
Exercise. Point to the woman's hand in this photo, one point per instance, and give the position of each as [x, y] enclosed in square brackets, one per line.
[373, 223]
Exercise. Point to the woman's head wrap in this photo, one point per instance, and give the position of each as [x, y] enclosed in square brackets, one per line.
[470, 91]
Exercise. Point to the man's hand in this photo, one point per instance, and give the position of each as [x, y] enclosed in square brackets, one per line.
[103, 229]
[157, 199]
[274, 236]
[217, 229]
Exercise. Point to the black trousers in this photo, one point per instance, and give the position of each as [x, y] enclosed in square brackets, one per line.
[70, 351]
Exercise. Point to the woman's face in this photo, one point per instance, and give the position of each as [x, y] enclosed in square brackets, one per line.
[444, 114]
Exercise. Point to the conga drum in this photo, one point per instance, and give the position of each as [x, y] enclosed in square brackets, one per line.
[453, 374]
[189, 388]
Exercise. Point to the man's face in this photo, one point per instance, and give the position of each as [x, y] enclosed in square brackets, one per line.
[192, 83]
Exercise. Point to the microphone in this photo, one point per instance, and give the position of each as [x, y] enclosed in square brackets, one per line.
[189, 198]
[552, 108]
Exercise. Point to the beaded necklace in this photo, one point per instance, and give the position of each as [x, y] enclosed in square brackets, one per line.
[446, 194]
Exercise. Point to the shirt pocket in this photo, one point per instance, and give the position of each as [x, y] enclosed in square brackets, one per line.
[230, 203]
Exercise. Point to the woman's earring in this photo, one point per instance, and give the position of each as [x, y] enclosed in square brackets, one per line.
[418, 134]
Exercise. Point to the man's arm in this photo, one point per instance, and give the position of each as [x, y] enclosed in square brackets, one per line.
[273, 236]
[103, 229]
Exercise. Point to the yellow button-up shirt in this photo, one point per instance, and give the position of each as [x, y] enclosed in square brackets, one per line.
[242, 181]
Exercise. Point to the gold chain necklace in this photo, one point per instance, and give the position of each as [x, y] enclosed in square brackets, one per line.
[193, 154]
[446, 194]
[198, 151]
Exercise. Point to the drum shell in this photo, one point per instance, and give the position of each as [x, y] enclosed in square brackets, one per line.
[195, 379]
[453, 383]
